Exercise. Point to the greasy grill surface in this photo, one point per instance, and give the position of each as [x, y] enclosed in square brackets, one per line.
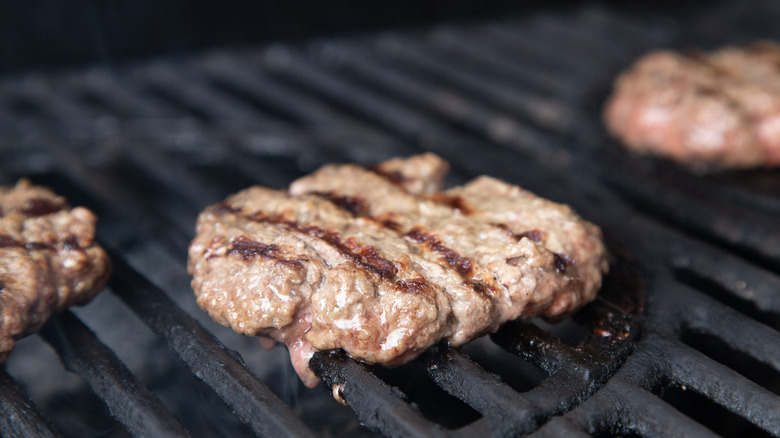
[683, 340]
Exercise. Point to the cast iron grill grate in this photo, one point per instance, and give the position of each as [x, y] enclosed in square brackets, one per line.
[148, 146]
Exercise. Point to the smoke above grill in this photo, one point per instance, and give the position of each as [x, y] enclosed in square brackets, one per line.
[683, 339]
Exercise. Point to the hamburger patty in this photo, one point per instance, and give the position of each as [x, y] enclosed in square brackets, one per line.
[720, 109]
[382, 264]
[48, 259]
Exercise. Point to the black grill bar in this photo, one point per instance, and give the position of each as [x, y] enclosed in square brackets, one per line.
[127, 399]
[252, 401]
[621, 408]
[376, 404]
[18, 414]
[732, 327]
[461, 377]
[741, 279]
[724, 386]
[706, 217]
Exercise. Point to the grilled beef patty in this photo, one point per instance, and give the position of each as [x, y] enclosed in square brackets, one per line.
[710, 110]
[381, 263]
[48, 259]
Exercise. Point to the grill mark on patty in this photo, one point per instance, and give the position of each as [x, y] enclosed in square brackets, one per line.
[396, 177]
[536, 235]
[417, 286]
[40, 207]
[452, 201]
[224, 208]
[71, 242]
[351, 204]
[364, 255]
[9, 242]
[704, 61]
[249, 249]
[462, 265]
[561, 262]
[482, 288]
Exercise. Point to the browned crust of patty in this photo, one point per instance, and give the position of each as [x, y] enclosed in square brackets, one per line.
[719, 109]
[48, 259]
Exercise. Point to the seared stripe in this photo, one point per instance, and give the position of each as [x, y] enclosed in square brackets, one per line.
[396, 178]
[364, 255]
[224, 208]
[417, 286]
[249, 249]
[484, 289]
[352, 204]
[462, 265]
[561, 262]
[40, 207]
[534, 235]
[9, 242]
[736, 105]
[454, 202]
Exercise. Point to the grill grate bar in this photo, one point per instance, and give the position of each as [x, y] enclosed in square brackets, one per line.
[760, 239]
[252, 401]
[18, 414]
[446, 106]
[743, 334]
[176, 83]
[512, 69]
[638, 411]
[741, 279]
[536, 345]
[521, 102]
[360, 102]
[377, 405]
[116, 93]
[465, 380]
[127, 399]
[46, 101]
[723, 386]
[295, 106]
[514, 38]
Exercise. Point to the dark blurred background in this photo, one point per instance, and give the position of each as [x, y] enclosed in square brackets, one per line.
[52, 33]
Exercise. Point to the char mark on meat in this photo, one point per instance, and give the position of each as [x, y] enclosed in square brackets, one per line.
[454, 202]
[365, 255]
[41, 207]
[418, 286]
[352, 204]
[461, 264]
[534, 235]
[394, 177]
[249, 249]
[9, 242]
[484, 289]
[223, 208]
[562, 262]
